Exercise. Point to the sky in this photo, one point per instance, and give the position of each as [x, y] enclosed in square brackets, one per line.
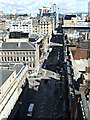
[32, 6]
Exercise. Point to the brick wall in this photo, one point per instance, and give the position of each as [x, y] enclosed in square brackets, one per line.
[80, 54]
[83, 54]
[77, 54]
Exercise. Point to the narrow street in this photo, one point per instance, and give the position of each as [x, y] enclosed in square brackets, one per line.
[49, 97]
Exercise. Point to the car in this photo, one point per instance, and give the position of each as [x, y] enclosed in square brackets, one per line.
[30, 110]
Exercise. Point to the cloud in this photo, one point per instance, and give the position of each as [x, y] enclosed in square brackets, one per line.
[32, 6]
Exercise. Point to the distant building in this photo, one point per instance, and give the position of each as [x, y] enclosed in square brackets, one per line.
[44, 10]
[42, 25]
[70, 20]
[21, 26]
[47, 12]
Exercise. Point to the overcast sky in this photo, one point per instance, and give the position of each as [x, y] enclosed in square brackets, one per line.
[32, 6]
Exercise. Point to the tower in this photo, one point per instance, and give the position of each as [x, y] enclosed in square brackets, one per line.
[54, 8]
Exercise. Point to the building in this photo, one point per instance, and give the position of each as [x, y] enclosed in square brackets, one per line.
[11, 82]
[42, 41]
[21, 26]
[81, 50]
[70, 20]
[47, 12]
[17, 37]
[42, 25]
[46, 26]
[20, 52]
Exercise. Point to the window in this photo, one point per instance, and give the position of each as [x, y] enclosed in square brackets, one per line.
[17, 58]
[33, 53]
[30, 59]
[30, 64]
[8, 58]
[23, 58]
[33, 65]
[5, 59]
[11, 59]
[26, 58]
[33, 58]
[14, 58]
[23, 53]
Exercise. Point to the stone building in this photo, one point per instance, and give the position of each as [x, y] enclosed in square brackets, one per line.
[20, 52]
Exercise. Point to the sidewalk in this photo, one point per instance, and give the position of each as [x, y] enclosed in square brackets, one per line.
[41, 71]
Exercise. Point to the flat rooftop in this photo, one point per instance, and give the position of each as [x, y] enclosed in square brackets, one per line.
[4, 75]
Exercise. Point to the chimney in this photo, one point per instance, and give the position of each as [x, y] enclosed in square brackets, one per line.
[18, 44]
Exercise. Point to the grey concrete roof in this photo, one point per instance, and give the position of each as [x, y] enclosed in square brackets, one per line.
[18, 67]
[15, 46]
[4, 75]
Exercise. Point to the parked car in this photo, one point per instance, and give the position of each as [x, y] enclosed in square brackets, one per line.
[30, 110]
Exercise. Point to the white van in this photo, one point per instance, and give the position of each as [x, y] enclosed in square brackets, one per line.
[30, 110]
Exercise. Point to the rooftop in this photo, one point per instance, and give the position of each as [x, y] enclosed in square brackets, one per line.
[18, 67]
[4, 75]
[17, 46]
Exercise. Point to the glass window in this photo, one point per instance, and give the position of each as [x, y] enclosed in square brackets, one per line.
[23, 58]
[5, 59]
[30, 59]
[33, 65]
[11, 59]
[17, 58]
[8, 58]
[33, 53]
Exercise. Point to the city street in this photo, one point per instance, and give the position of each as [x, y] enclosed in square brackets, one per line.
[48, 96]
